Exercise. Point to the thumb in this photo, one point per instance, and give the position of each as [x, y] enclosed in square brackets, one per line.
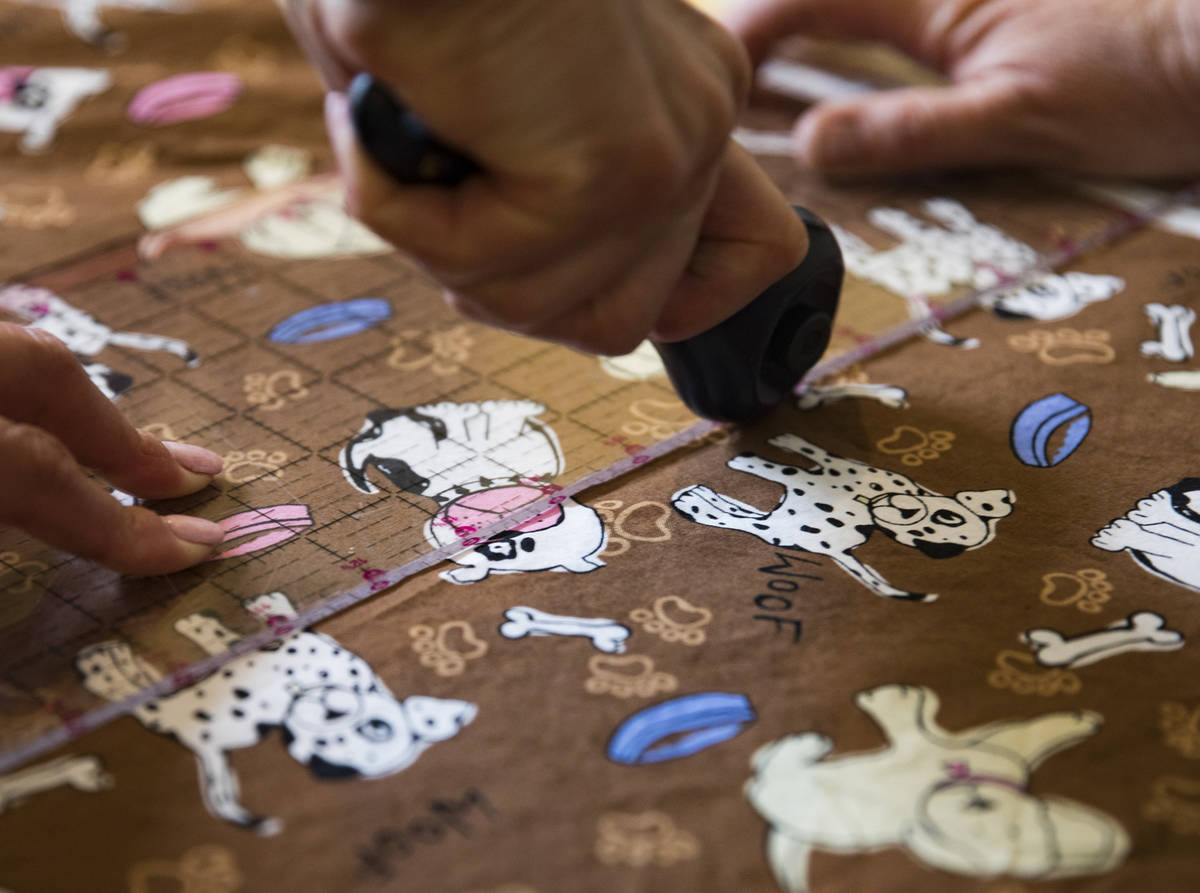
[968, 125]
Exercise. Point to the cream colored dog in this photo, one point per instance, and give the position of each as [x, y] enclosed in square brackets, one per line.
[955, 801]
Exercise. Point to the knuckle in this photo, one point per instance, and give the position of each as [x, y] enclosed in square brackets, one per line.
[649, 169]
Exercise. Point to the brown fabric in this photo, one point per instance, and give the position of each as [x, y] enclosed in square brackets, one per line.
[525, 798]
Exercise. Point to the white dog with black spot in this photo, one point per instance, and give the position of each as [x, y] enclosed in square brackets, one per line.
[34, 101]
[1162, 534]
[479, 462]
[833, 506]
[42, 309]
[82, 17]
[338, 717]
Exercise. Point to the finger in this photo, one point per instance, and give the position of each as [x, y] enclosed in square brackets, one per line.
[44, 493]
[615, 320]
[470, 226]
[44, 385]
[749, 238]
[763, 23]
[969, 125]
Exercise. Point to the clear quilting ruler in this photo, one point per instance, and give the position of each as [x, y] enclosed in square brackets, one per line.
[376, 580]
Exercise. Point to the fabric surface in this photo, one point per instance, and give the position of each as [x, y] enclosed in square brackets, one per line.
[927, 628]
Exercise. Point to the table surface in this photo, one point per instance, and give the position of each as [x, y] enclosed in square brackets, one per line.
[776, 658]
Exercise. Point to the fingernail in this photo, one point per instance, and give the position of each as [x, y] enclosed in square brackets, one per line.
[337, 119]
[195, 530]
[195, 458]
[840, 142]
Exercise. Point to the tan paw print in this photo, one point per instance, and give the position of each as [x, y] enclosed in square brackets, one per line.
[1181, 728]
[253, 61]
[271, 391]
[122, 162]
[642, 522]
[1087, 589]
[202, 869]
[1010, 674]
[625, 677]
[448, 648]
[639, 840]
[674, 619]
[23, 572]
[1176, 802]
[241, 467]
[442, 352]
[1064, 347]
[657, 419]
[51, 212]
[914, 446]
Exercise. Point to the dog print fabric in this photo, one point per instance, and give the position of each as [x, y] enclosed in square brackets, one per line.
[585, 716]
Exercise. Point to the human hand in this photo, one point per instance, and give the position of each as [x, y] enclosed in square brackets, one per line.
[612, 203]
[52, 421]
[1091, 86]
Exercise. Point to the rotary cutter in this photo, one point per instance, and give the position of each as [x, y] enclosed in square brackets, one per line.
[733, 372]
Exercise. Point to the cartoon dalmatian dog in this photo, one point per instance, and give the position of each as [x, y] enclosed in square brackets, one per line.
[82, 17]
[1162, 534]
[337, 716]
[833, 506]
[42, 309]
[479, 462]
[958, 801]
[34, 101]
[933, 259]
[1050, 297]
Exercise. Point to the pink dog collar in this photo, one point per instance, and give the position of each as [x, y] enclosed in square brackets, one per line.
[960, 773]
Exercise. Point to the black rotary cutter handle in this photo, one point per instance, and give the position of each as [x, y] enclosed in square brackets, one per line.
[733, 372]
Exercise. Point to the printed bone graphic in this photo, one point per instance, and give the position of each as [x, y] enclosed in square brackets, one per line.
[1142, 631]
[42, 309]
[83, 773]
[1174, 325]
[606, 635]
[82, 17]
[818, 395]
[1162, 534]
[833, 505]
[34, 101]
[1182, 380]
[957, 801]
[338, 717]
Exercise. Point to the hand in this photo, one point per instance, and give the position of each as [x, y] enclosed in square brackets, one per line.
[612, 203]
[1093, 86]
[52, 420]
